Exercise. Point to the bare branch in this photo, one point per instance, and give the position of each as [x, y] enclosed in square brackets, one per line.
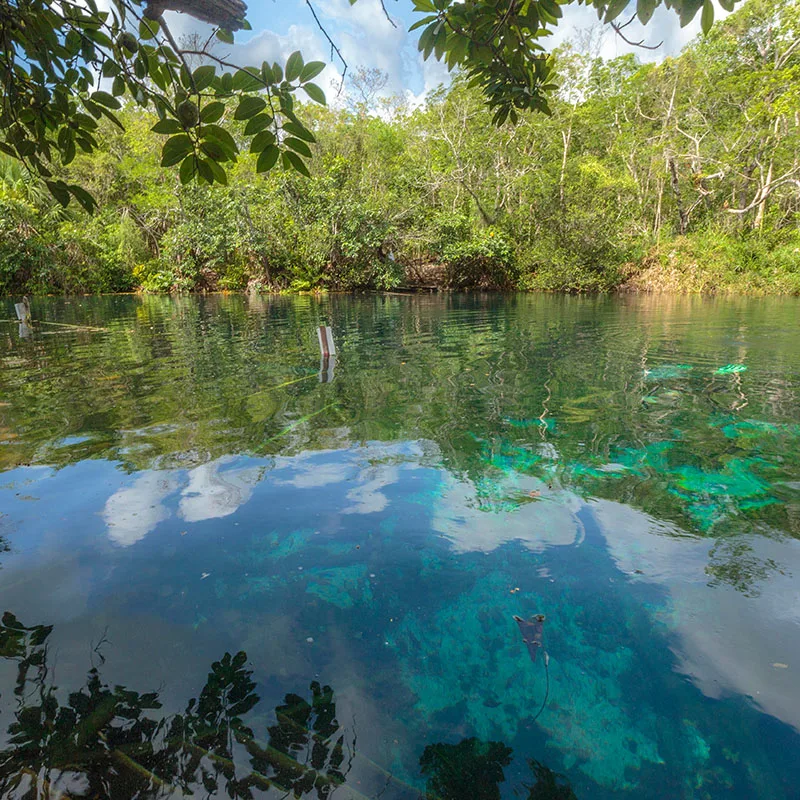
[618, 29]
[334, 48]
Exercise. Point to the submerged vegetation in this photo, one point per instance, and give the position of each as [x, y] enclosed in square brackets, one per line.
[682, 175]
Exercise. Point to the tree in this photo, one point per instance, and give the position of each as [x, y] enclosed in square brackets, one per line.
[54, 53]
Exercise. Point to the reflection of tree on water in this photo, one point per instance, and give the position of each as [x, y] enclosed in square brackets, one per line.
[549, 785]
[474, 769]
[102, 742]
[471, 768]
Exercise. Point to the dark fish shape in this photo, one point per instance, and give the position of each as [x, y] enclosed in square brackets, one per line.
[532, 630]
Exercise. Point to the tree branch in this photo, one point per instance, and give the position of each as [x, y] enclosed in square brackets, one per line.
[618, 29]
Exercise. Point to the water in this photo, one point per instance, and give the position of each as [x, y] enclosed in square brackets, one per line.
[232, 573]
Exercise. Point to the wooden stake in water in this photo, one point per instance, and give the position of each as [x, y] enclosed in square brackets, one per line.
[23, 310]
[326, 343]
[327, 349]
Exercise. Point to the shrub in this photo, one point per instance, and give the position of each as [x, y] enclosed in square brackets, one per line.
[483, 262]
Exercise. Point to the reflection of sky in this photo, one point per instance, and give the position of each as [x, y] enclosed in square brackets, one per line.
[133, 511]
[209, 492]
[544, 520]
[213, 492]
[726, 642]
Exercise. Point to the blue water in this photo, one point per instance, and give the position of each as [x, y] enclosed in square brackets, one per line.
[180, 483]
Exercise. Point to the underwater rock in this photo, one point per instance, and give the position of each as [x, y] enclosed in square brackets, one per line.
[341, 586]
[458, 657]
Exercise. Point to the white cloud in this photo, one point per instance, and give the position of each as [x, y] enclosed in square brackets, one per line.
[213, 493]
[133, 511]
[549, 520]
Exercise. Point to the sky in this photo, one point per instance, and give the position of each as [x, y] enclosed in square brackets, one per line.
[367, 38]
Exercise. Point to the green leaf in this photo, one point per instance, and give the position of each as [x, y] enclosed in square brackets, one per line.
[246, 81]
[167, 126]
[203, 77]
[176, 149]
[425, 43]
[261, 141]
[311, 70]
[60, 191]
[294, 161]
[267, 159]
[249, 106]
[707, 17]
[296, 129]
[118, 86]
[552, 8]
[212, 112]
[298, 146]
[204, 170]
[645, 9]
[148, 28]
[110, 69]
[220, 176]
[225, 36]
[257, 123]
[188, 169]
[420, 22]
[68, 153]
[214, 150]
[315, 93]
[223, 137]
[614, 9]
[294, 66]
[83, 197]
[105, 99]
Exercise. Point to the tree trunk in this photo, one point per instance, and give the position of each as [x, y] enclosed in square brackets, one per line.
[762, 206]
[683, 216]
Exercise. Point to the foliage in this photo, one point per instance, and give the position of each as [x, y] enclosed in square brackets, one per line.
[483, 262]
[111, 739]
[681, 175]
[53, 51]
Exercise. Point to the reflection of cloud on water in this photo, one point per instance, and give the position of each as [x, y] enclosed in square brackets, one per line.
[212, 493]
[367, 497]
[727, 642]
[133, 511]
[546, 520]
[309, 470]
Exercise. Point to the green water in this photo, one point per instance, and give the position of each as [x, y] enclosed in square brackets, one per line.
[231, 571]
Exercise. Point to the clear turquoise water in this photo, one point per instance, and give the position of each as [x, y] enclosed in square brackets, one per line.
[225, 577]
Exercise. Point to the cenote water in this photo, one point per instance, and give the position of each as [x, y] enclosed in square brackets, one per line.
[230, 571]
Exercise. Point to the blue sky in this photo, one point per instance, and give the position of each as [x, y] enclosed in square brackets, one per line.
[367, 38]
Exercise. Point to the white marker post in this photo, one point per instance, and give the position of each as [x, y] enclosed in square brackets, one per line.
[23, 310]
[327, 348]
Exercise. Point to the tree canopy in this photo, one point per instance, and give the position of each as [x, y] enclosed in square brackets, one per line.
[65, 65]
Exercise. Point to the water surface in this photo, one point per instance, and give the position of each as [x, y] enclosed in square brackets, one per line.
[231, 571]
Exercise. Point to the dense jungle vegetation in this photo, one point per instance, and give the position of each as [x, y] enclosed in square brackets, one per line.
[681, 175]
